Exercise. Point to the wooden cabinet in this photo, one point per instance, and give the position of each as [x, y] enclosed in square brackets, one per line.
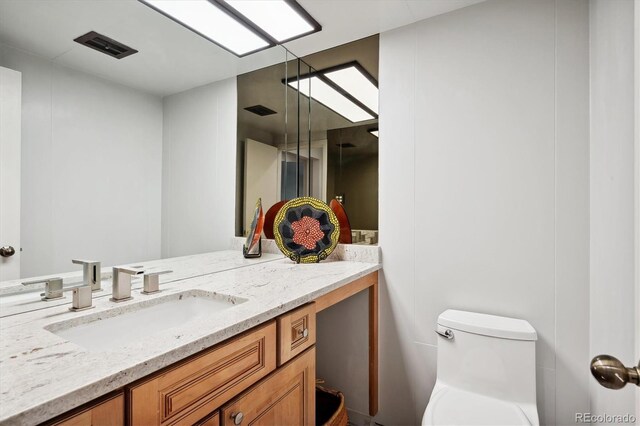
[296, 332]
[210, 420]
[285, 398]
[105, 412]
[192, 389]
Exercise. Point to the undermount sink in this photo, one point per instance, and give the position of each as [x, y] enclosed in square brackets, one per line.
[120, 326]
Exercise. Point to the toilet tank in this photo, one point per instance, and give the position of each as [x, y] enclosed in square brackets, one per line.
[491, 355]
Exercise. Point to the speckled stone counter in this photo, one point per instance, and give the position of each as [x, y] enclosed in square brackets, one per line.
[43, 375]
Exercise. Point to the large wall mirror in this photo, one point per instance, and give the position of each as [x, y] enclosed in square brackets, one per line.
[127, 145]
[309, 127]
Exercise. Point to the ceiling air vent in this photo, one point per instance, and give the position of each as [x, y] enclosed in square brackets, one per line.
[346, 145]
[260, 110]
[106, 45]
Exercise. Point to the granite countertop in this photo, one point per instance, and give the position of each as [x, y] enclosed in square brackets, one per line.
[43, 375]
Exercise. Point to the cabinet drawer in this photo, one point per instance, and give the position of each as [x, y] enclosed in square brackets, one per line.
[187, 392]
[296, 332]
[109, 412]
[285, 398]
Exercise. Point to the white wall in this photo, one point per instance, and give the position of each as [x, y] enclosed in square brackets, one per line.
[484, 146]
[199, 169]
[612, 319]
[91, 168]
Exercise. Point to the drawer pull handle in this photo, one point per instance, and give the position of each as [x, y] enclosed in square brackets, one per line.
[237, 418]
[304, 333]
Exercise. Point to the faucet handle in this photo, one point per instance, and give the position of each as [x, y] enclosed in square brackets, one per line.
[82, 297]
[91, 273]
[152, 282]
[52, 287]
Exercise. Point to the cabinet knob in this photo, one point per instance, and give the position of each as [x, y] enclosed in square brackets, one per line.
[237, 418]
[304, 333]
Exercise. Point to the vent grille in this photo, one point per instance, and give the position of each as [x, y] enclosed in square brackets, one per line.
[106, 45]
[260, 110]
[346, 145]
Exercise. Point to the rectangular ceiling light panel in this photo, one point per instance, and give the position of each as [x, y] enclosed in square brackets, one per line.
[278, 18]
[208, 20]
[354, 82]
[331, 98]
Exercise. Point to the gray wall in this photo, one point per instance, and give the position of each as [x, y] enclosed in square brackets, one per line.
[484, 141]
[199, 169]
[91, 168]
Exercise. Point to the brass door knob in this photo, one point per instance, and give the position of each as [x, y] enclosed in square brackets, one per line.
[612, 374]
[7, 251]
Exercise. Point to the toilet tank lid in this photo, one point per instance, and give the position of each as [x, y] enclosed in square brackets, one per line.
[487, 325]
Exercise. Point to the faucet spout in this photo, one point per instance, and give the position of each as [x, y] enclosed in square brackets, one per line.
[122, 282]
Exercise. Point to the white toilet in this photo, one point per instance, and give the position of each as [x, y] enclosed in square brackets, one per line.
[486, 371]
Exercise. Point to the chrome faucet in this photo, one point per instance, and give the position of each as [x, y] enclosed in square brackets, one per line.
[52, 288]
[122, 283]
[91, 274]
[152, 282]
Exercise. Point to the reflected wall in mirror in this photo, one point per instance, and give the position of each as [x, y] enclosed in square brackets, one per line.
[316, 136]
[119, 160]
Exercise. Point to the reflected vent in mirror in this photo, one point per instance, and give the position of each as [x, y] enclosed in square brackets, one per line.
[346, 145]
[106, 45]
[260, 110]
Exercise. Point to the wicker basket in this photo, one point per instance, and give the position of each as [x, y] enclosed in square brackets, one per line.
[330, 408]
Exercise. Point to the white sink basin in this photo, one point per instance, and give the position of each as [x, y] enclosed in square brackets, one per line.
[120, 326]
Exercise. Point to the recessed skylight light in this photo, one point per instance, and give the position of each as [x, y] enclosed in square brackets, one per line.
[281, 19]
[211, 22]
[331, 98]
[354, 82]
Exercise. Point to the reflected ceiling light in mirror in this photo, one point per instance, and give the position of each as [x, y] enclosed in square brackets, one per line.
[354, 80]
[374, 132]
[283, 20]
[213, 23]
[331, 98]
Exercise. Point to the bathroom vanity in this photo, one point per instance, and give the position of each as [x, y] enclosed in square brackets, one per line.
[227, 347]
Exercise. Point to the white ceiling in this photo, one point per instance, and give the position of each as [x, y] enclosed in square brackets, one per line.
[171, 58]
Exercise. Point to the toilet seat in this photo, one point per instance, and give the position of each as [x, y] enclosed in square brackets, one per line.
[451, 406]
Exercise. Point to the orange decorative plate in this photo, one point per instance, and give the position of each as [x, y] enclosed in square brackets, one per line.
[306, 230]
[345, 226]
[270, 217]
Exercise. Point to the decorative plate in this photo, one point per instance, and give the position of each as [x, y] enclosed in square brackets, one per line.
[270, 217]
[253, 237]
[306, 230]
[345, 226]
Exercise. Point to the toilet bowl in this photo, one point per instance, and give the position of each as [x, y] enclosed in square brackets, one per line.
[486, 372]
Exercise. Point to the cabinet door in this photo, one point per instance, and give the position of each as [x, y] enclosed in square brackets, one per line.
[192, 389]
[285, 398]
[211, 420]
[106, 413]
